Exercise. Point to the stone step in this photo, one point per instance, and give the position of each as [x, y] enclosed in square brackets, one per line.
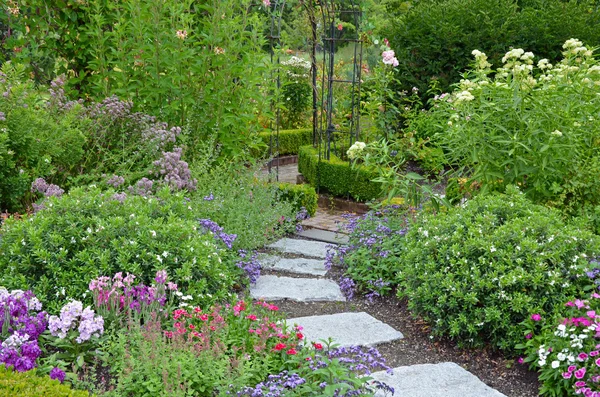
[434, 380]
[314, 267]
[273, 288]
[346, 329]
[324, 235]
[315, 249]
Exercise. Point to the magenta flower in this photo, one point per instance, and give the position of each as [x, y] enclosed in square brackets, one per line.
[591, 314]
[536, 317]
[528, 336]
[521, 360]
[594, 353]
[571, 368]
[579, 383]
[580, 373]
[598, 362]
[582, 356]
[567, 375]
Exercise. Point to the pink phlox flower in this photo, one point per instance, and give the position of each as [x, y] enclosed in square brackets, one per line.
[536, 317]
[579, 303]
[591, 314]
[580, 373]
[567, 375]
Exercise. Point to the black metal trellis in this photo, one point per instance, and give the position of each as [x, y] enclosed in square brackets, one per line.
[325, 131]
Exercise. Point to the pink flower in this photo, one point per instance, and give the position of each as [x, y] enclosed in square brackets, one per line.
[536, 317]
[251, 317]
[580, 373]
[579, 383]
[528, 336]
[386, 42]
[299, 336]
[389, 58]
[591, 314]
[582, 356]
[266, 3]
[292, 351]
[571, 368]
[521, 360]
[204, 317]
[273, 308]
[598, 362]
[567, 375]
[318, 346]
[340, 26]
[579, 303]
[594, 353]
[279, 347]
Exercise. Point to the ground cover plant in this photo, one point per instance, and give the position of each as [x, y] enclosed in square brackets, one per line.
[474, 272]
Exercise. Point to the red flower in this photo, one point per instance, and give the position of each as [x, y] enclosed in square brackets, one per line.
[340, 26]
[177, 325]
[308, 359]
[204, 317]
[251, 317]
[279, 347]
[318, 346]
[299, 336]
[191, 326]
[273, 308]
[292, 351]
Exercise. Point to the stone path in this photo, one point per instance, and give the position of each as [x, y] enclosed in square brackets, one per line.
[306, 259]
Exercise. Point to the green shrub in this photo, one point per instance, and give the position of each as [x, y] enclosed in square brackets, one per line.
[475, 272]
[302, 196]
[337, 176]
[433, 39]
[90, 233]
[28, 384]
[290, 141]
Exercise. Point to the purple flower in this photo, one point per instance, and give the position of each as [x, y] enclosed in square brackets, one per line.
[174, 171]
[57, 374]
[210, 197]
[218, 233]
[252, 267]
[161, 277]
[47, 189]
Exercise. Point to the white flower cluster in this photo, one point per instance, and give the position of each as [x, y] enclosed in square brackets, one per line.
[542, 355]
[464, 96]
[576, 47]
[355, 150]
[298, 66]
[481, 60]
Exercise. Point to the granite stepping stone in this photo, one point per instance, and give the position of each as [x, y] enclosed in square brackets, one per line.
[324, 235]
[315, 267]
[272, 288]
[347, 329]
[316, 249]
[434, 380]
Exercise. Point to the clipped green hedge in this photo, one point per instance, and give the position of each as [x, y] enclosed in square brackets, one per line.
[28, 384]
[290, 141]
[301, 196]
[337, 177]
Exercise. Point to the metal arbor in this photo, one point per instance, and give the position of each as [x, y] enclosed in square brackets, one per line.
[327, 20]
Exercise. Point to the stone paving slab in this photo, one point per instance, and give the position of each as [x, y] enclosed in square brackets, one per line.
[272, 288]
[325, 236]
[434, 380]
[347, 329]
[315, 249]
[315, 267]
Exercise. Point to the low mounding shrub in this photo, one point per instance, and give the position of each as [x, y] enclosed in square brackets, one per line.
[434, 38]
[90, 233]
[564, 348]
[337, 176]
[28, 384]
[476, 272]
[302, 196]
[290, 141]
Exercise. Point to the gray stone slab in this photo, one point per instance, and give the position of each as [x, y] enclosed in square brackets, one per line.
[347, 329]
[316, 249]
[315, 267]
[325, 236]
[435, 380]
[272, 288]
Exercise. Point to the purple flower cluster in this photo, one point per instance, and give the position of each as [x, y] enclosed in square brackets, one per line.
[358, 359]
[2, 116]
[115, 181]
[348, 287]
[47, 189]
[250, 265]
[120, 197]
[143, 187]
[112, 108]
[20, 328]
[175, 172]
[217, 232]
[275, 386]
[74, 317]
[210, 197]
[300, 216]
[58, 99]
[376, 287]
[58, 374]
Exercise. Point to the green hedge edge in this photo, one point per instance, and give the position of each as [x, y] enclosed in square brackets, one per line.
[290, 141]
[301, 196]
[337, 176]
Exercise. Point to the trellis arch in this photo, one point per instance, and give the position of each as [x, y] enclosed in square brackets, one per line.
[323, 96]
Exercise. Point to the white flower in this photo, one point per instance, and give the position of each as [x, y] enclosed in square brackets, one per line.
[555, 364]
[513, 54]
[493, 249]
[561, 357]
[153, 233]
[556, 133]
[355, 150]
[544, 64]
[541, 363]
[464, 96]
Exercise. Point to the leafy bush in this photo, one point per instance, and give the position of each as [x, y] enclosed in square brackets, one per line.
[534, 127]
[296, 92]
[28, 384]
[290, 141]
[302, 196]
[564, 348]
[434, 38]
[476, 272]
[337, 176]
[90, 233]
